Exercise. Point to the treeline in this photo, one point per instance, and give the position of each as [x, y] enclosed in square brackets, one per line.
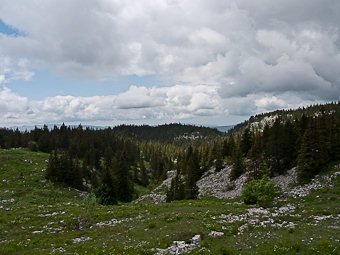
[109, 163]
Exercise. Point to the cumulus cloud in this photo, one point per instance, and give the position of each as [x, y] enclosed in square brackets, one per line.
[138, 97]
[270, 103]
[289, 65]
[235, 56]
[11, 103]
[181, 103]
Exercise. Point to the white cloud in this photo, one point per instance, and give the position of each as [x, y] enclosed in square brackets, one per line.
[137, 97]
[270, 103]
[254, 52]
[12, 106]
[176, 103]
[180, 103]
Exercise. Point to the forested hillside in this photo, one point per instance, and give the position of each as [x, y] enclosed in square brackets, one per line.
[178, 134]
[260, 120]
[113, 162]
[307, 137]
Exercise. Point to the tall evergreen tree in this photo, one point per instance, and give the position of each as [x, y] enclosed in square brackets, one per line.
[313, 153]
[144, 174]
[107, 192]
[246, 141]
[191, 190]
[122, 171]
[237, 163]
[176, 191]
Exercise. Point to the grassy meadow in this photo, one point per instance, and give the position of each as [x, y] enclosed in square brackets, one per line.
[38, 217]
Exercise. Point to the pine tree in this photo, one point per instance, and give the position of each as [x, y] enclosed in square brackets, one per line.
[144, 174]
[44, 141]
[265, 171]
[63, 169]
[313, 153]
[191, 190]
[176, 191]
[107, 193]
[122, 171]
[76, 175]
[255, 156]
[52, 167]
[246, 141]
[108, 155]
[225, 150]
[237, 164]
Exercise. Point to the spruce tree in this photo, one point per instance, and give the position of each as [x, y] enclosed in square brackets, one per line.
[122, 170]
[107, 193]
[255, 156]
[191, 190]
[176, 191]
[246, 141]
[237, 164]
[144, 174]
[313, 153]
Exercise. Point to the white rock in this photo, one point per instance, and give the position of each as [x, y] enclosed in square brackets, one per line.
[215, 234]
[179, 247]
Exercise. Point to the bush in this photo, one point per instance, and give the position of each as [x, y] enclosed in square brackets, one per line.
[261, 191]
[152, 225]
[225, 251]
[32, 146]
[90, 203]
[105, 195]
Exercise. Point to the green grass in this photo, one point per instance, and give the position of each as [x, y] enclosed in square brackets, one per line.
[44, 218]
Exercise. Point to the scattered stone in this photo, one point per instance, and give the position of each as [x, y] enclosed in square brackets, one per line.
[179, 247]
[215, 233]
[319, 182]
[218, 184]
[81, 239]
[59, 249]
[109, 223]
[286, 180]
[37, 232]
[114, 222]
[51, 214]
[12, 200]
[158, 195]
[258, 217]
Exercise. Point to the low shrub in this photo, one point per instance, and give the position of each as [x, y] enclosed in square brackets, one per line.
[261, 192]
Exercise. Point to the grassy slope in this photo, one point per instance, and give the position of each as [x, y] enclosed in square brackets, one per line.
[45, 219]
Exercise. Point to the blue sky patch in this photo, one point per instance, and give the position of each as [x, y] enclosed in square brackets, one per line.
[46, 84]
[9, 30]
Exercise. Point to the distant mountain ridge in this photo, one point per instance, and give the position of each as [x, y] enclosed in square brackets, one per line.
[223, 128]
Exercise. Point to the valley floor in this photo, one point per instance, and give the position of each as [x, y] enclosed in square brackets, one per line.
[38, 218]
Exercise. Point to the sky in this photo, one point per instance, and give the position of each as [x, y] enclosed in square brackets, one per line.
[205, 62]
